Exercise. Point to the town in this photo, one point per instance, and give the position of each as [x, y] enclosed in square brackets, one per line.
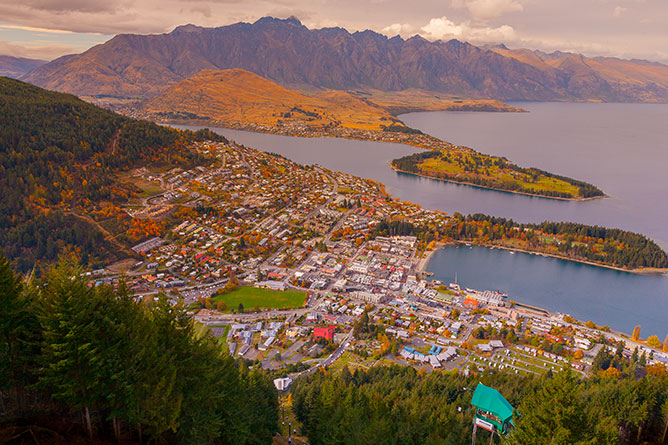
[298, 267]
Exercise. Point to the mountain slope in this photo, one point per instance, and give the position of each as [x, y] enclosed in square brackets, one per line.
[290, 54]
[16, 67]
[236, 97]
[603, 78]
[58, 157]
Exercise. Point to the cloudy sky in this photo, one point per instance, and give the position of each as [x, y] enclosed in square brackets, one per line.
[623, 28]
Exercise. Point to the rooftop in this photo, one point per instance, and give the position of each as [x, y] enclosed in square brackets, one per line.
[490, 400]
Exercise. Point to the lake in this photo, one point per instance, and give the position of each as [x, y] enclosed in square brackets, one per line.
[622, 148]
[605, 296]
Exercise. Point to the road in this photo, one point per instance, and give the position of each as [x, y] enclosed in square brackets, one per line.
[334, 356]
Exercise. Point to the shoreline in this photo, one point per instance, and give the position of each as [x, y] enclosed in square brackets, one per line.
[408, 142]
[452, 181]
[641, 271]
[385, 136]
[612, 332]
[426, 257]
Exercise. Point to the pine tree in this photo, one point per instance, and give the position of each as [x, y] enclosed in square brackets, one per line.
[209, 408]
[553, 415]
[70, 354]
[19, 335]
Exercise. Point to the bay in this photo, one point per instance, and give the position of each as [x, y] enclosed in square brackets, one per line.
[620, 300]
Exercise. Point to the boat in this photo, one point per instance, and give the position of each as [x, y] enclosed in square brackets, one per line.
[512, 252]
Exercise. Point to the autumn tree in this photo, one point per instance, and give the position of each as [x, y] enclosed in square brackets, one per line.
[654, 341]
[636, 333]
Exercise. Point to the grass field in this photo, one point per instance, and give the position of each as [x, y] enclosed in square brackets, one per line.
[252, 297]
[462, 165]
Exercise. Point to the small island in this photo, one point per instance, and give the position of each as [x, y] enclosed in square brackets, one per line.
[466, 166]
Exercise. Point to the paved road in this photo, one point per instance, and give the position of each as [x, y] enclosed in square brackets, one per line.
[334, 356]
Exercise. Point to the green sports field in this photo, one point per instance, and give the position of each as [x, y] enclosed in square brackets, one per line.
[251, 297]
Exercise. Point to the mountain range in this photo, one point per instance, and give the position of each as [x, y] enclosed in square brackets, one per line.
[287, 52]
[16, 67]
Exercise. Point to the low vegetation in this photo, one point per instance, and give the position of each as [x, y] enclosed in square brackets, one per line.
[494, 172]
[239, 98]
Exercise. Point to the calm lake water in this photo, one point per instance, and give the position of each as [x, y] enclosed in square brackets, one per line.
[618, 299]
[621, 148]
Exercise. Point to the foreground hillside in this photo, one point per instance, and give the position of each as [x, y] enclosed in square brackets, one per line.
[292, 55]
[401, 405]
[87, 364]
[58, 155]
[91, 365]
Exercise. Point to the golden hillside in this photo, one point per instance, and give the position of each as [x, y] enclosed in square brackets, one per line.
[239, 97]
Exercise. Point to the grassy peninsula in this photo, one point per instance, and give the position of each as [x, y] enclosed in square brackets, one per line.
[469, 167]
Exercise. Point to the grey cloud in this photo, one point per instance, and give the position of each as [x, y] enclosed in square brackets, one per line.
[65, 6]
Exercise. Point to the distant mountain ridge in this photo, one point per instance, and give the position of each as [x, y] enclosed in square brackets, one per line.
[16, 67]
[287, 52]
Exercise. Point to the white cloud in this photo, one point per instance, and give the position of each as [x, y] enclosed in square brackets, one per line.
[488, 9]
[31, 28]
[442, 28]
[45, 52]
[401, 29]
[619, 11]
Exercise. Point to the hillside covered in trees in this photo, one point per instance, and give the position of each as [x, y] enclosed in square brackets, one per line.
[580, 242]
[79, 362]
[399, 405]
[57, 157]
[613, 247]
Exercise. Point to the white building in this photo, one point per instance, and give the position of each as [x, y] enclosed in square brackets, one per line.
[282, 384]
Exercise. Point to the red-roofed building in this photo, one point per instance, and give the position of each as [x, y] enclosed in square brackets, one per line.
[471, 302]
[326, 333]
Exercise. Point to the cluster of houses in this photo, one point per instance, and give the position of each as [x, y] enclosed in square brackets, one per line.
[435, 357]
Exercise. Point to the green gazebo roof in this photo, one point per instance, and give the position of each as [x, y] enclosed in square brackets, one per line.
[490, 400]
